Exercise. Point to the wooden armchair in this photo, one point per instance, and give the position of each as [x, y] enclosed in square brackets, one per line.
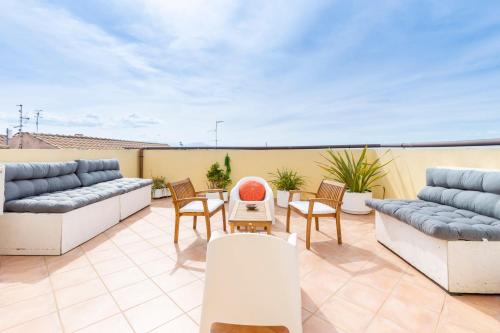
[188, 202]
[326, 202]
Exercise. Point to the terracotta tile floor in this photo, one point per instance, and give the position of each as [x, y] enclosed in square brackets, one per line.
[133, 278]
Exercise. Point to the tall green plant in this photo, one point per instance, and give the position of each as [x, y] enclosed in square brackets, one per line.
[286, 180]
[358, 174]
[218, 177]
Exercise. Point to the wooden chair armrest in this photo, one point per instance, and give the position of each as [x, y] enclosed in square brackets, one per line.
[191, 199]
[292, 192]
[212, 190]
[335, 202]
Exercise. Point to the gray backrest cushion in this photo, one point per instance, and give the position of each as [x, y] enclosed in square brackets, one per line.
[28, 179]
[474, 190]
[92, 172]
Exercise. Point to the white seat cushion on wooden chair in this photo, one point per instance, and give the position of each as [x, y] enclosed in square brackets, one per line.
[197, 206]
[318, 208]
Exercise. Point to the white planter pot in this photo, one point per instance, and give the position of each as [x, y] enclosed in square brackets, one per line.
[282, 198]
[225, 195]
[161, 193]
[354, 203]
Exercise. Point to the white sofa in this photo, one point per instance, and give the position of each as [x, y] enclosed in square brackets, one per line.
[50, 208]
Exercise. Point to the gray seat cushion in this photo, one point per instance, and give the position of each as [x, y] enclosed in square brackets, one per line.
[440, 221]
[29, 179]
[62, 201]
[125, 184]
[91, 172]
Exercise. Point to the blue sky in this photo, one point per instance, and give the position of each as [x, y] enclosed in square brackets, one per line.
[282, 72]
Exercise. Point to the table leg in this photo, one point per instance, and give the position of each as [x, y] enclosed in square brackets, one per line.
[232, 228]
[268, 229]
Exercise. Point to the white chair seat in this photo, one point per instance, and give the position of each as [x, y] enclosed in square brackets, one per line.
[197, 206]
[318, 208]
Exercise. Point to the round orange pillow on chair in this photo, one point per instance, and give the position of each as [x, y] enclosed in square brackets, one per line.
[252, 191]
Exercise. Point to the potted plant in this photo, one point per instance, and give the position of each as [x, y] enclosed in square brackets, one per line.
[159, 188]
[285, 180]
[219, 178]
[358, 174]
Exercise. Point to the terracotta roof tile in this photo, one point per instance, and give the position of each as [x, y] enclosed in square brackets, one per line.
[87, 142]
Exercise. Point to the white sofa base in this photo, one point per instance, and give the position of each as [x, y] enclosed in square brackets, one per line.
[56, 234]
[134, 201]
[457, 266]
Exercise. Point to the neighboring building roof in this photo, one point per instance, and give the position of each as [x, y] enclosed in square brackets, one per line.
[3, 141]
[79, 141]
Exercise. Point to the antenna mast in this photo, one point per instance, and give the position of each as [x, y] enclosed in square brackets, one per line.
[20, 126]
[217, 122]
[21, 118]
[37, 116]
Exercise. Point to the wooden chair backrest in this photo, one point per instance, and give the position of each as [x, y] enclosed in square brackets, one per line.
[181, 189]
[332, 190]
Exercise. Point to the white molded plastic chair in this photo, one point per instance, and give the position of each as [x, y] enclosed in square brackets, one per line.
[235, 194]
[252, 279]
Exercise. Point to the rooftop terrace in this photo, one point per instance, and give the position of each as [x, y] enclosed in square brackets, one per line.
[132, 278]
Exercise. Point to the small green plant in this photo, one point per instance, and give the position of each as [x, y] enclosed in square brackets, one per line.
[286, 180]
[158, 183]
[358, 174]
[218, 177]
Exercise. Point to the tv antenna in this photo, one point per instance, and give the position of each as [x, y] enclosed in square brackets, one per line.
[217, 122]
[37, 116]
[20, 126]
[21, 118]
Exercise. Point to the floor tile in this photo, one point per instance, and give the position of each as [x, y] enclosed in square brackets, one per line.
[174, 279]
[79, 293]
[83, 314]
[409, 316]
[115, 324]
[46, 324]
[136, 294]
[362, 295]
[123, 278]
[318, 325]
[72, 277]
[345, 315]
[23, 291]
[182, 324]
[20, 312]
[152, 314]
[189, 296]
[113, 265]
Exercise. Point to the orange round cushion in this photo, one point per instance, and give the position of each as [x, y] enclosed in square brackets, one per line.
[252, 191]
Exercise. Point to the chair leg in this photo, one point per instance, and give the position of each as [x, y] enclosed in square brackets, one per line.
[194, 222]
[339, 231]
[288, 212]
[316, 220]
[176, 232]
[209, 231]
[224, 218]
[308, 233]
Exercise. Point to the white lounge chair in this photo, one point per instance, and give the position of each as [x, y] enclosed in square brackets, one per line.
[252, 279]
[235, 194]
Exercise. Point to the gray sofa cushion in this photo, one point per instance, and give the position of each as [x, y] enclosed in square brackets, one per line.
[464, 179]
[487, 204]
[91, 172]
[29, 179]
[474, 190]
[440, 221]
[62, 201]
[125, 184]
